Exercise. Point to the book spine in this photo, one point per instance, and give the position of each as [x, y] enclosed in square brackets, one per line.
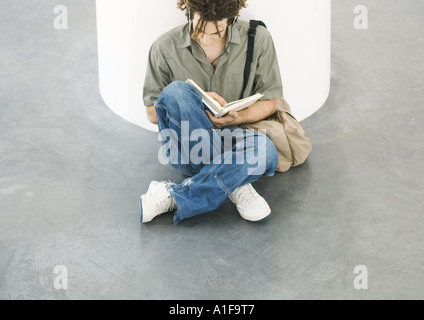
[211, 110]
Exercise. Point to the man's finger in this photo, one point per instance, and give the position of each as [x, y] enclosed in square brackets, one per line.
[218, 98]
[221, 101]
[210, 116]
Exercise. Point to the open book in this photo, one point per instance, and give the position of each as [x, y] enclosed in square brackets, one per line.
[216, 109]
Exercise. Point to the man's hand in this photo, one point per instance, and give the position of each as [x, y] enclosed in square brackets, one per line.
[232, 118]
[256, 112]
[151, 114]
[217, 97]
[228, 120]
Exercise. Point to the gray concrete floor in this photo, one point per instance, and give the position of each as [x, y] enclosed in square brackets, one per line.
[72, 171]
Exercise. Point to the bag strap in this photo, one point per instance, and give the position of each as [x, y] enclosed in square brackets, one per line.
[250, 49]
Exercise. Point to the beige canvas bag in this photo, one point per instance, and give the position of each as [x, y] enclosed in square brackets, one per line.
[289, 138]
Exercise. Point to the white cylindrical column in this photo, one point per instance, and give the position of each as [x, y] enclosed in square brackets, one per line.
[301, 30]
[126, 29]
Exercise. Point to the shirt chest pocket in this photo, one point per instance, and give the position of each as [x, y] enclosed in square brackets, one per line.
[182, 71]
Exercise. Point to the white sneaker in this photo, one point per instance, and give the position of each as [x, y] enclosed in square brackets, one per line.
[250, 204]
[156, 201]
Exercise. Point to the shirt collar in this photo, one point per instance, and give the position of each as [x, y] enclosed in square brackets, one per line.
[185, 40]
[234, 34]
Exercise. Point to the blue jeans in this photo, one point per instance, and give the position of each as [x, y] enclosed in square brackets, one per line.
[218, 164]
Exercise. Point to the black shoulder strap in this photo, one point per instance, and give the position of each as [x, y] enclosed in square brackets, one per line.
[250, 49]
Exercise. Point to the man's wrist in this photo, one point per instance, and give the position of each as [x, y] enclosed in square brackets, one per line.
[242, 117]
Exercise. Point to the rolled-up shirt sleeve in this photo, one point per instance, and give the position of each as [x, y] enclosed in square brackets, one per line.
[157, 76]
[267, 76]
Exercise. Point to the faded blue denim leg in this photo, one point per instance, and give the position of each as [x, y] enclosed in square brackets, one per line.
[236, 157]
[179, 111]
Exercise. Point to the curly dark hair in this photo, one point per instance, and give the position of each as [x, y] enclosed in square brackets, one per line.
[212, 10]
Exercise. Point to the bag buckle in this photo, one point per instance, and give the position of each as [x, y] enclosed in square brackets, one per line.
[252, 32]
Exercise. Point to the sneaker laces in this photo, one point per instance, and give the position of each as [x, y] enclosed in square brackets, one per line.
[165, 202]
[247, 193]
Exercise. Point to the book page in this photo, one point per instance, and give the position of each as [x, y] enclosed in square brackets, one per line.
[243, 103]
[209, 101]
[216, 109]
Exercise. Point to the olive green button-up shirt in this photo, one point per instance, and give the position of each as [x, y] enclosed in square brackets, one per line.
[176, 57]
